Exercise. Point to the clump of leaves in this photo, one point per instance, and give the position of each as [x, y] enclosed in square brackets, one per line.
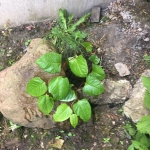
[66, 36]
[141, 133]
[59, 88]
[140, 140]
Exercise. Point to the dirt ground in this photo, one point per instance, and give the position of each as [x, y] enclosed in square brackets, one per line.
[105, 131]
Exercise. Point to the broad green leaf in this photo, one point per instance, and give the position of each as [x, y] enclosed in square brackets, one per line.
[74, 120]
[78, 66]
[136, 144]
[144, 125]
[70, 96]
[82, 108]
[50, 62]
[94, 59]
[59, 87]
[93, 86]
[62, 113]
[144, 141]
[97, 72]
[147, 99]
[36, 87]
[45, 104]
[146, 82]
[131, 147]
[88, 46]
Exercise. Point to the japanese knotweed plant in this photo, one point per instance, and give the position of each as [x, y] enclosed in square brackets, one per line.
[66, 37]
[59, 88]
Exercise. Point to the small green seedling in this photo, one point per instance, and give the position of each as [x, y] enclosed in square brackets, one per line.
[3, 51]
[11, 62]
[106, 140]
[13, 126]
[1, 68]
[27, 42]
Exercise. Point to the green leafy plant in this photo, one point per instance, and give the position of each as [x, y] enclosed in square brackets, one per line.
[58, 89]
[141, 132]
[140, 141]
[66, 36]
[27, 42]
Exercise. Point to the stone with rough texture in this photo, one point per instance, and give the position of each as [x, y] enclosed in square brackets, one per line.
[122, 69]
[134, 108]
[15, 104]
[95, 16]
[115, 92]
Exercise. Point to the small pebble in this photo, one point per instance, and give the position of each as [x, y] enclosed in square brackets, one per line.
[8, 55]
[122, 69]
[139, 29]
[113, 122]
[146, 39]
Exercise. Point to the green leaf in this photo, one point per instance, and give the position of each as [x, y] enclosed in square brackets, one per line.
[146, 82]
[59, 87]
[93, 86]
[78, 66]
[97, 72]
[144, 141]
[45, 104]
[146, 57]
[74, 120]
[131, 147]
[62, 113]
[70, 19]
[79, 35]
[36, 87]
[88, 46]
[81, 20]
[82, 108]
[136, 144]
[50, 62]
[147, 99]
[62, 18]
[70, 96]
[93, 58]
[130, 129]
[144, 125]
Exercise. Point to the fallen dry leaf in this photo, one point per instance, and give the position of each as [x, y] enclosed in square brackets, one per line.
[58, 143]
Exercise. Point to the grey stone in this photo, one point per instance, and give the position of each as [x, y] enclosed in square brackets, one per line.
[134, 108]
[122, 69]
[115, 92]
[15, 104]
[95, 16]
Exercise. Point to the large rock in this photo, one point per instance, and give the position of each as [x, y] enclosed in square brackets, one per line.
[15, 104]
[134, 108]
[116, 92]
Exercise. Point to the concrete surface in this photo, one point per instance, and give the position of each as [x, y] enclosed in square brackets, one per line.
[17, 12]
